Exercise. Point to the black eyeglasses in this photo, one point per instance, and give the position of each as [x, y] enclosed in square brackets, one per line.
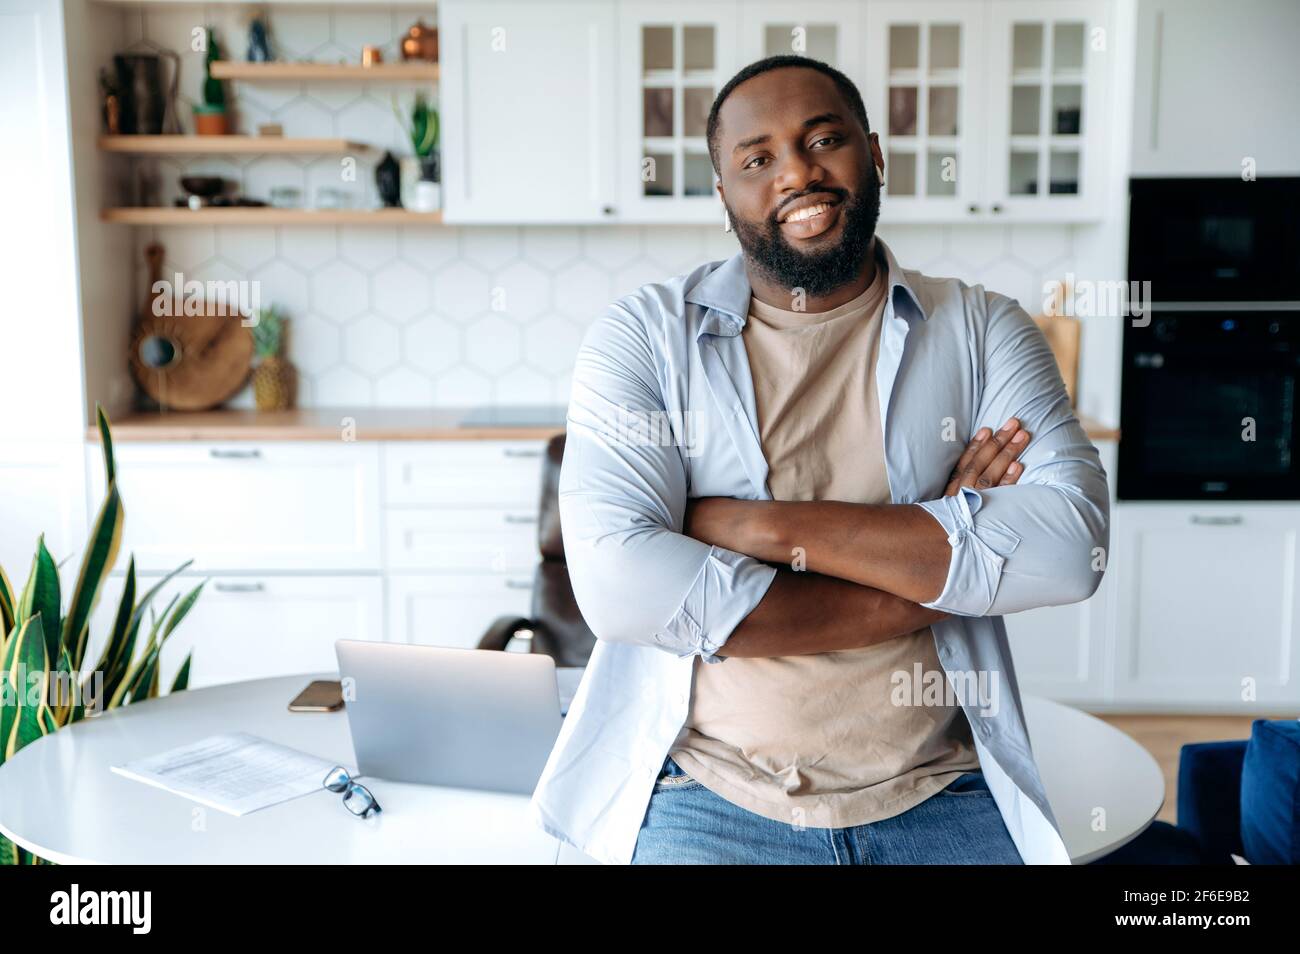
[356, 797]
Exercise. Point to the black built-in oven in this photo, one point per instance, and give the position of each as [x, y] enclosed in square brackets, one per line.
[1212, 367]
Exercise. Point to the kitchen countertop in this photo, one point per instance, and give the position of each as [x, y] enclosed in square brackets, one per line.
[371, 424]
[319, 423]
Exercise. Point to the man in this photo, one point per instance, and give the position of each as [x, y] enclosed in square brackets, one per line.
[797, 586]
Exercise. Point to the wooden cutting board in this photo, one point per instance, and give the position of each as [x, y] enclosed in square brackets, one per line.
[188, 362]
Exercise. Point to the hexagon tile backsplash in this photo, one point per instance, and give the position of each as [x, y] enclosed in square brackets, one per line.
[422, 316]
[412, 317]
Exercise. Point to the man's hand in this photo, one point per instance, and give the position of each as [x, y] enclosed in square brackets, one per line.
[990, 459]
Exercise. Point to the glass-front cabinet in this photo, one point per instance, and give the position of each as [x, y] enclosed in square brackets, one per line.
[1047, 73]
[673, 59]
[988, 110]
[826, 30]
[924, 98]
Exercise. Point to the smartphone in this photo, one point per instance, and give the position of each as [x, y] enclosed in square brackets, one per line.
[323, 695]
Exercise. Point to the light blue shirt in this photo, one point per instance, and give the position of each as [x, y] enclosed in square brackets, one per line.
[663, 409]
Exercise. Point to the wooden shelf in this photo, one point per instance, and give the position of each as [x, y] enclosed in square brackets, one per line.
[325, 72]
[225, 145]
[268, 216]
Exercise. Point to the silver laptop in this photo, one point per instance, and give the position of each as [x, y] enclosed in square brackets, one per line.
[466, 718]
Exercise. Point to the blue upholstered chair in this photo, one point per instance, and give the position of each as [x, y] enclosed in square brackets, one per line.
[1234, 798]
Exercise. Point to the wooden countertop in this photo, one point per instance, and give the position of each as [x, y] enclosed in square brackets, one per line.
[369, 424]
[315, 424]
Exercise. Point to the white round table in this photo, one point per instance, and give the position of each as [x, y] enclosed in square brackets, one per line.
[1088, 765]
[59, 799]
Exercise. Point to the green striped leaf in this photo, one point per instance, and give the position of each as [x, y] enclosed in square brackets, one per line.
[182, 680]
[41, 595]
[8, 607]
[25, 720]
[101, 554]
[106, 439]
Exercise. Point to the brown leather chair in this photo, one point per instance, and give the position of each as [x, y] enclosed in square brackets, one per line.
[556, 626]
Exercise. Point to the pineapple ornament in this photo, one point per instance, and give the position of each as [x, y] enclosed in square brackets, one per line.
[274, 379]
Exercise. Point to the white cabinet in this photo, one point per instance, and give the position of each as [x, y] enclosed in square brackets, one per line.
[1251, 97]
[462, 473]
[826, 30]
[673, 59]
[254, 627]
[1207, 606]
[925, 98]
[461, 536]
[275, 505]
[989, 111]
[454, 609]
[527, 97]
[1048, 65]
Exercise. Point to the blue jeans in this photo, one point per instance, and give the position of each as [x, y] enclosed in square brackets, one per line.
[686, 823]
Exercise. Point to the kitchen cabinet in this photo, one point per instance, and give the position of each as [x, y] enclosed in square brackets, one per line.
[307, 542]
[826, 30]
[1047, 71]
[254, 626]
[925, 99]
[527, 99]
[1189, 120]
[673, 59]
[989, 111]
[454, 609]
[272, 505]
[1207, 606]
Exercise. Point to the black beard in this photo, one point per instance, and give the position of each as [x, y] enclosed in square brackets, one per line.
[817, 273]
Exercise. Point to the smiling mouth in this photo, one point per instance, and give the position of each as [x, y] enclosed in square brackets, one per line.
[808, 212]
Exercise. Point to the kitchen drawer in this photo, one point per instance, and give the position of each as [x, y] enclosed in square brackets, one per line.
[247, 506]
[254, 627]
[487, 540]
[452, 609]
[463, 473]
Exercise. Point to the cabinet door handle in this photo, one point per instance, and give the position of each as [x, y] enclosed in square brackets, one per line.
[519, 585]
[522, 452]
[1230, 520]
[995, 209]
[607, 210]
[972, 209]
[521, 518]
[238, 587]
[220, 454]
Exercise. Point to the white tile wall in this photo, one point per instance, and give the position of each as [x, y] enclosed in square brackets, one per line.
[402, 317]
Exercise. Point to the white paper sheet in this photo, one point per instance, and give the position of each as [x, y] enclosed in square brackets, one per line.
[234, 772]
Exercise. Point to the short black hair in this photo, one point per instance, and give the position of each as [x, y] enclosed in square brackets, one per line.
[842, 82]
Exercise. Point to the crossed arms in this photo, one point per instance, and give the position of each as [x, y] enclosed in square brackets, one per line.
[647, 570]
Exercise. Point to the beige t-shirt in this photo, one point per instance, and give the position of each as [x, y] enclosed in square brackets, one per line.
[817, 740]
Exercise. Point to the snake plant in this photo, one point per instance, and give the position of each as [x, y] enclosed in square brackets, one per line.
[45, 684]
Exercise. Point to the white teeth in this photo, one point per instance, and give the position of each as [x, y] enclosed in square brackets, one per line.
[807, 213]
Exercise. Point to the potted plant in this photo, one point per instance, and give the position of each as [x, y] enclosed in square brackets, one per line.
[210, 116]
[46, 684]
[421, 172]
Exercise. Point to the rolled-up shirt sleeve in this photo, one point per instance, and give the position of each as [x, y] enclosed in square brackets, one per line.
[636, 578]
[1043, 540]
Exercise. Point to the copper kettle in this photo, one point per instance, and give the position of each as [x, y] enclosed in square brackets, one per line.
[420, 43]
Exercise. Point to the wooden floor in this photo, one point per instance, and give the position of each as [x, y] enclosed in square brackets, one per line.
[1164, 735]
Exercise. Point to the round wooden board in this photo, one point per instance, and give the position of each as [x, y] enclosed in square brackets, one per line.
[214, 354]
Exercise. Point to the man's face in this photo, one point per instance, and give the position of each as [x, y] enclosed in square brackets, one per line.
[798, 179]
